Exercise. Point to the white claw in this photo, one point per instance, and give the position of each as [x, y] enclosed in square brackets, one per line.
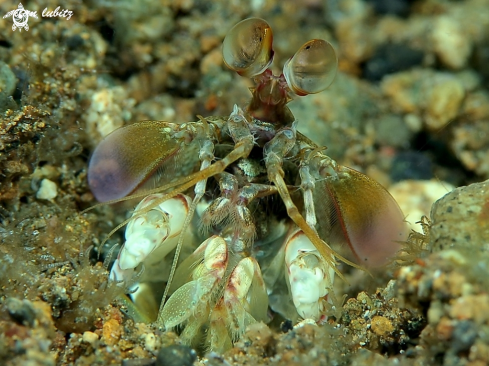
[309, 276]
[155, 232]
[192, 298]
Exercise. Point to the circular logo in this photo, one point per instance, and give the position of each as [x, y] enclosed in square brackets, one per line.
[20, 16]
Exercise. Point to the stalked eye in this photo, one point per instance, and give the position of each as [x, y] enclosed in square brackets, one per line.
[312, 68]
[247, 48]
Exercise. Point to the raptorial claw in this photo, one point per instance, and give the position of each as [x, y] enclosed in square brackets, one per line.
[309, 276]
[154, 231]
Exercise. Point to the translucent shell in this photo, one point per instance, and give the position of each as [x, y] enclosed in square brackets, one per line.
[312, 68]
[362, 214]
[126, 157]
[247, 48]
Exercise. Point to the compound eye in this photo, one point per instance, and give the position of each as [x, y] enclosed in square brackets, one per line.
[247, 48]
[312, 68]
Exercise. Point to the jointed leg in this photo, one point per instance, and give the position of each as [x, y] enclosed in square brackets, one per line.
[276, 151]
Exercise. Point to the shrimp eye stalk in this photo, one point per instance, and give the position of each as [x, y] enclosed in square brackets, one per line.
[312, 68]
[247, 48]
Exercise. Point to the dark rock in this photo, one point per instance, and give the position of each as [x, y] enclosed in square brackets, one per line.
[74, 42]
[286, 326]
[7, 86]
[400, 8]
[390, 58]
[411, 165]
[176, 355]
[481, 59]
[463, 336]
[21, 311]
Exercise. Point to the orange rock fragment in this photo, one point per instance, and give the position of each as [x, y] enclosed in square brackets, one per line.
[112, 331]
[381, 326]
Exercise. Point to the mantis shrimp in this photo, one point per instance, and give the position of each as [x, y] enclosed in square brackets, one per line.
[260, 202]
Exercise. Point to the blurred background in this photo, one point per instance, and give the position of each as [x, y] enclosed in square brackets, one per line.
[409, 107]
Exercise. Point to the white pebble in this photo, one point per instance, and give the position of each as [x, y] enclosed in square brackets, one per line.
[48, 190]
[89, 337]
[150, 342]
[451, 43]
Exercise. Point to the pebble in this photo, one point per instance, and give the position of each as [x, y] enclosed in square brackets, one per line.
[451, 45]
[260, 334]
[108, 110]
[413, 122]
[400, 8]
[7, 85]
[47, 191]
[150, 342]
[435, 312]
[21, 311]
[416, 197]
[471, 307]
[381, 326]
[7, 80]
[470, 141]
[444, 101]
[402, 89]
[176, 355]
[436, 96]
[391, 58]
[463, 336]
[461, 218]
[111, 332]
[391, 130]
[411, 165]
[89, 337]
[476, 105]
